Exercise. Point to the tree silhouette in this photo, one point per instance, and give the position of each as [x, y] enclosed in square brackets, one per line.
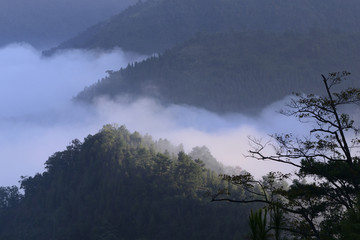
[325, 188]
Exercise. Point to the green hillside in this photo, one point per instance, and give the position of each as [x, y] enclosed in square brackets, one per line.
[234, 72]
[115, 185]
[155, 25]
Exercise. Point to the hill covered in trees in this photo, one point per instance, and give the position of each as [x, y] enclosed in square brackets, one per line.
[242, 72]
[117, 185]
[156, 25]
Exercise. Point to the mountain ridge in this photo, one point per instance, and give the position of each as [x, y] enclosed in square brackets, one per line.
[115, 185]
[242, 72]
[155, 25]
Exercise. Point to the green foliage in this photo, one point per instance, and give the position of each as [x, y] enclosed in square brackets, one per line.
[350, 225]
[9, 197]
[115, 185]
[203, 154]
[277, 221]
[258, 225]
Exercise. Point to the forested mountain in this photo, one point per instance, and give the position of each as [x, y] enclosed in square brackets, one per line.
[240, 71]
[115, 185]
[155, 25]
[45, 22]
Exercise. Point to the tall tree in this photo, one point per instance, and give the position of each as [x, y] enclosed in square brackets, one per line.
[325, 188]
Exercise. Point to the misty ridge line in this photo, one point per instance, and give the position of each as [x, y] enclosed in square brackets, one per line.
[178, 21]
[47, 120]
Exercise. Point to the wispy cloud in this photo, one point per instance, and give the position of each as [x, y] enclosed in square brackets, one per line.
[38, 118]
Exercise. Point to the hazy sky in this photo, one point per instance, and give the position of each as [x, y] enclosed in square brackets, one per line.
[38, 117]
[46, 23]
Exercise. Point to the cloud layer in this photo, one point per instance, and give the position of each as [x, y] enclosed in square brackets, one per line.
[38, 118]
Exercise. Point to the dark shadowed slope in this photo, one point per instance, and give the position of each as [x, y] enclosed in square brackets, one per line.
[234, 72]
[156, 25]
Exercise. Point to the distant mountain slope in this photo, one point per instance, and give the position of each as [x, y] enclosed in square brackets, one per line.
[44, 22]
[156, 25]
[235, 72]
[116, 186]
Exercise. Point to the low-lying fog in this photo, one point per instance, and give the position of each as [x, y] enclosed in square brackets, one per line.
[38, 117]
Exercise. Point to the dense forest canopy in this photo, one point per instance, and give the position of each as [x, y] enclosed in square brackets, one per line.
[117, 185]
[242, 72]
[156, 25]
